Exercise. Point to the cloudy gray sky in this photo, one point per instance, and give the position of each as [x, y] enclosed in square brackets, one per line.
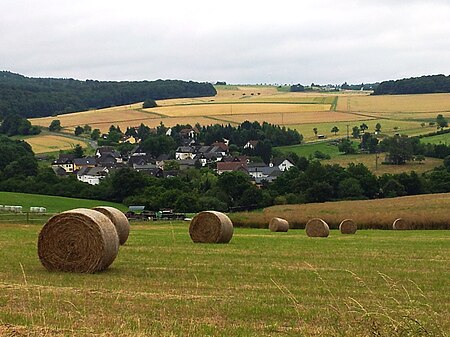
[321, 41]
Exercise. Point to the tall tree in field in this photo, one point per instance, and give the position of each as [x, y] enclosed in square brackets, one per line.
[315, 131]
[55, 125]
[378, 127]
[441, 122]
[78, 130]
[363, 127]
[335, 129]
[356, 132]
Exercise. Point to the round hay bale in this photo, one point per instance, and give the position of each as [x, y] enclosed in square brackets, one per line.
[400, 224]
[317, 228]
[80, 240]
[211, 227]
[278, 225]
[119, 220]
[348, 226]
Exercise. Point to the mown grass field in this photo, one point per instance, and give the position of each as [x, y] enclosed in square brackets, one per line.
[53, 204]
[374, 283]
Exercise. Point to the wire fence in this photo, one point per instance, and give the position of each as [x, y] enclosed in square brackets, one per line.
[24, 217]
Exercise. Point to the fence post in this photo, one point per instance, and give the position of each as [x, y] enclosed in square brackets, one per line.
[28, 217]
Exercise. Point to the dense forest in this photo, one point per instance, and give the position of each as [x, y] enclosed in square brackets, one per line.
[415, 85]
[38, 97]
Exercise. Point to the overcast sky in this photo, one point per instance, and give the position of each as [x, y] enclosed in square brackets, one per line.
[321, 41]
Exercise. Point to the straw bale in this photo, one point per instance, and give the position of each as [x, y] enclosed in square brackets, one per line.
[317, 228]
[119, 220]
[211, 227]
[278, 225]
[348, 226]
[400, 224]
[80, 240]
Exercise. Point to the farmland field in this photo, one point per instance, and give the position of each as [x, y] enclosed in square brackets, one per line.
[44, 143]
[302, 111]
[261, 284]
[437, 139]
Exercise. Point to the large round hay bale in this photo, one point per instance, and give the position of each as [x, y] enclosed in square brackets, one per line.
[278, 225]
[119, 220]
[317, 228]
[211, 227]
[80, 240]
[400, 224]
[348, 226]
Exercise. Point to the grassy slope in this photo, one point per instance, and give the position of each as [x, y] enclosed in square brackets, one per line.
[52, 203]
[261, 284]
[437, 139]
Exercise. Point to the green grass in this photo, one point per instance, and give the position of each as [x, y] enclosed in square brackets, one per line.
[52, 203]
[437, 139]
[305, 150]
[374, 283]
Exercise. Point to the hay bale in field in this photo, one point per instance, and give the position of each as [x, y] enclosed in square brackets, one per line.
[119, 220]
[348, 226]
[317, 228]
[400, 224]
[80, 240]
[211, 227]
[278, 225]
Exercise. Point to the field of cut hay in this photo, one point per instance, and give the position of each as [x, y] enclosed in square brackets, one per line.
[373, 283]
[429, 211]
[50, 143]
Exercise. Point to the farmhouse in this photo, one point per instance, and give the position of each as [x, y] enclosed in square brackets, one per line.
[184, 152]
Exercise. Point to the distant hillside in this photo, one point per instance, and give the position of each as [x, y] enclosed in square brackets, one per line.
[415, 85]
[39, 97]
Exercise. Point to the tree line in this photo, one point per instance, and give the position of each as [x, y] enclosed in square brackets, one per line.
[38, 97]
[415, 85]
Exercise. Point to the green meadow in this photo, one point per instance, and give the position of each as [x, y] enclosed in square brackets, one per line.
[374, 283]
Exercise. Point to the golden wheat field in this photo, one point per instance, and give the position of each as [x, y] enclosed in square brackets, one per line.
[50, 143]
[301, 111]
[433, 103]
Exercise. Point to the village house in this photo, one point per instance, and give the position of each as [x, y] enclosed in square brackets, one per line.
[79, 163]
[283, 164]
[65, 162]
[251, 144]
[223, 167]
[185, 152]
[92, 175]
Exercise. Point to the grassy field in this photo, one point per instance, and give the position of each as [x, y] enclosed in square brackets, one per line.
[306, 150]
[437, 139]
[429, 211]
[370, 161]
[374, 283]
[53, 204]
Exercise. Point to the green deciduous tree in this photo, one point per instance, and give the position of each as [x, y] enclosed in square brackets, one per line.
[55, 125]
[335, 129]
